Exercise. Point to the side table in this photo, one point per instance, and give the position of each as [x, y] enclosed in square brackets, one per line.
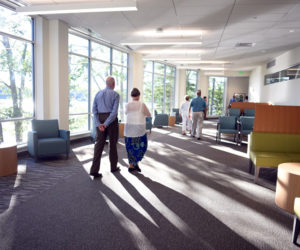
[288, 185]
[8, 159]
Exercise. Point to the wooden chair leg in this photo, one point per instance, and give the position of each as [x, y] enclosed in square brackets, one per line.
[296, 229]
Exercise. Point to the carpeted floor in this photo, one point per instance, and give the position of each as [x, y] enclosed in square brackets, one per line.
[190, 195]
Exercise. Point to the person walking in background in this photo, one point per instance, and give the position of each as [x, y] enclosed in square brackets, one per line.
[105, 111]
[135, 130]
[231, 101]
[205, 110]
[198, 106]
[184, 112]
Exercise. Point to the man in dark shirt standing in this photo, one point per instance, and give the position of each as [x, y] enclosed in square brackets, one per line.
[105, 110]
[198, 106]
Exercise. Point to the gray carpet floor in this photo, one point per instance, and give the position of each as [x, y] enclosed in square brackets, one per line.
[190, 195]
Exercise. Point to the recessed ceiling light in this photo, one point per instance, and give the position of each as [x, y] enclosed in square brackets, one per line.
[162, 43]
[84, 7]
[291, 31]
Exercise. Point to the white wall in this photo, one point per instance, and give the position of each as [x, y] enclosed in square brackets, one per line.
[282, 93]
[236, 85]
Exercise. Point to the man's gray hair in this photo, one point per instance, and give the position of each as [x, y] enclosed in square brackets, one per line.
[110, 81]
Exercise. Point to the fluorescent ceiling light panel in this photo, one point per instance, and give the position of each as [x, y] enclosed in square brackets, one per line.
[89, 7]
[172, 51]
[163, 43]
[170, 33]
[199, 62]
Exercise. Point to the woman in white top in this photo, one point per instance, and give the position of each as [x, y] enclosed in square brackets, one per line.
[135, 130]
[184, 111]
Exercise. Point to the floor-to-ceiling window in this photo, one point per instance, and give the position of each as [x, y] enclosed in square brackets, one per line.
[191, 83]
[159, 86]
[16, 76]
[90, 62]
[216, 95]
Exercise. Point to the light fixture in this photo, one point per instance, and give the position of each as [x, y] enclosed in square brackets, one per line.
[199, 62]
[89, 7]
[291, 31]
[172, 51]
[170, 33]
[162, 43]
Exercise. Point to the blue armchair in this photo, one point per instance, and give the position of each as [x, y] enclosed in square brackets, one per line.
[149, 123]
[245, 126]
[178, 118]
[234, 112]
[227, 125]
[46, 139]
[249, 112]
[161, 120]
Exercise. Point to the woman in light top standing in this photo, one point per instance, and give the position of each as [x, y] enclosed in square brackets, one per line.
[135, 130]
[184, 111]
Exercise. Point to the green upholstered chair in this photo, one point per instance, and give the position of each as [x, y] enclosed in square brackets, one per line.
[296, 228]
[46, 139]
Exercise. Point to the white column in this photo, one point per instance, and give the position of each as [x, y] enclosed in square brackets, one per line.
[41, 68]
[58, 73]
[137, 69]
[180, 86]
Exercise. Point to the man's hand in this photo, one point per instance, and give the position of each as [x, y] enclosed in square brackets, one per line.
[102, 127]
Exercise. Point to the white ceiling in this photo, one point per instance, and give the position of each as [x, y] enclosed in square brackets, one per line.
[224, 23]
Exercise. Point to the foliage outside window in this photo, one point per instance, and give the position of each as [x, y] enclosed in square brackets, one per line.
[216, 91]
[16, 76]
[159, 87]
[191, 83]
[90, 63]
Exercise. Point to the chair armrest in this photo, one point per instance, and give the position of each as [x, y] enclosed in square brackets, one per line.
[32, 143]
[65, 134]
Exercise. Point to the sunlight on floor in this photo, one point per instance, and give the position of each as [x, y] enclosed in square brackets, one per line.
[230, 151]
[137, 236]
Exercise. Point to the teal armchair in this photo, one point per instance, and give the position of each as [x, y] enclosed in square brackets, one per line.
[46, 139]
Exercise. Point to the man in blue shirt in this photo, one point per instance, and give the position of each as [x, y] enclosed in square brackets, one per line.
[105, 110]
[232, 100]
[198, 106]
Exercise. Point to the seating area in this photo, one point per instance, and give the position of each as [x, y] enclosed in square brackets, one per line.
[46, 139]
[236, 124]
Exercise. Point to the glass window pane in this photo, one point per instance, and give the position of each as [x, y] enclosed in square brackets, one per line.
[78, 83]
[170, 70]
[100, 51]
[216, 95]
[16, 88]
[100, 70]
[78, 45]
[15, 132]
[12, 23]
[191, 83]
[119, 57]
[159, 68]
[120, 75]
[158, 93]
[170, 94]
[148, 66]
[79, 123]
[148, 90]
